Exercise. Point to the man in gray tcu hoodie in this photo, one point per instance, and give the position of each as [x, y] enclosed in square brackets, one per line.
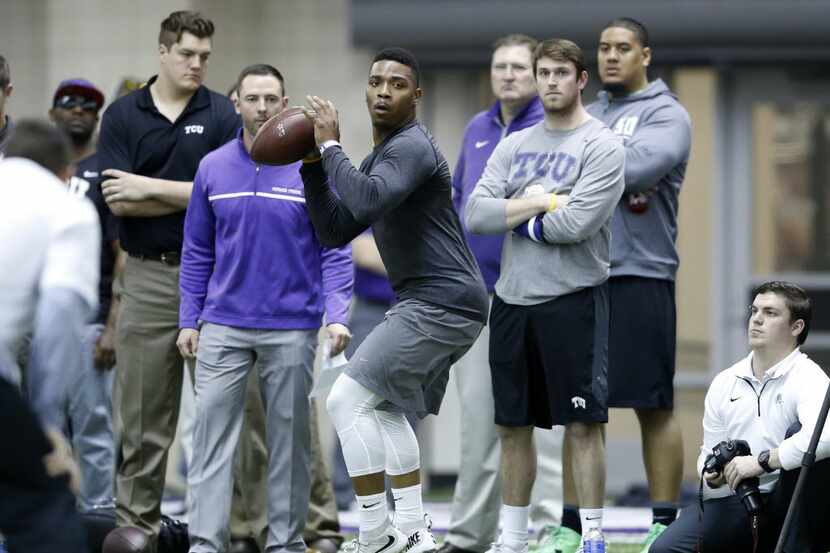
[656, 132]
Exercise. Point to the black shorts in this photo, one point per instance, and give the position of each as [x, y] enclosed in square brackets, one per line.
[549, 361]
[642, 343]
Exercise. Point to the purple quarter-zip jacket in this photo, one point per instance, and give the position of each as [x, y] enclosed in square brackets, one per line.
[483, 133]
[250, 257]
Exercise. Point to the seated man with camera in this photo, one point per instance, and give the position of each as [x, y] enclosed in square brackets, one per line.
[758, 420]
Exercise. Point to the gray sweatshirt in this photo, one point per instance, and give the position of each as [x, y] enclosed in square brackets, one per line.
[403, 189]
[572, 252]
[656, 132]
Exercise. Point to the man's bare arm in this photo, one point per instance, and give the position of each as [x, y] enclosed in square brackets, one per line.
[171, 192]
[104, 355]
[146, 208]
[124, 187]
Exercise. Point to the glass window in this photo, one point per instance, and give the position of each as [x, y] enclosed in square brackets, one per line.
[791, 226]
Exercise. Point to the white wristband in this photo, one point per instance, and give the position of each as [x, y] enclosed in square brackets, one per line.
[328, 144]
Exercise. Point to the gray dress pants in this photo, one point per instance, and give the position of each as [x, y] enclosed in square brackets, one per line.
[285, 360]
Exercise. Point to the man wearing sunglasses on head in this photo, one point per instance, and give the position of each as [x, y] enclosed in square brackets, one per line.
[75, 107]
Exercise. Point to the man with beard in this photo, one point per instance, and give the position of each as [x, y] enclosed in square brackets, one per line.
[477, 497]
[75, 108]
[555, 185]
[255, 284]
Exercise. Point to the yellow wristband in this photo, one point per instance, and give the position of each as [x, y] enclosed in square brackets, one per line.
[552, 205]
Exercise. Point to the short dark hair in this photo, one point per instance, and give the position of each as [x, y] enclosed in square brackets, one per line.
[402, 56]
[5, 73]
[796, 300]
[42, 142]
[262, 69]
[516, 39]
[560, 49]
[632, 25]
[184, 21]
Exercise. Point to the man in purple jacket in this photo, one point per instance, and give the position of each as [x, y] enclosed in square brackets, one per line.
[255, 283]
[475, 506]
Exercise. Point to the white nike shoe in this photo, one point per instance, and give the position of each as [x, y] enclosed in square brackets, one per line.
[391, 541]
[421, 540]
[497, 547]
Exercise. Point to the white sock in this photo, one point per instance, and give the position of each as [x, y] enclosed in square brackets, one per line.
[591, 518]
[373, 516]
[514, 526]
[409, 508]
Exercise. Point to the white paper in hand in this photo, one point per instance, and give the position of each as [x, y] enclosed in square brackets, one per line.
[330, 369]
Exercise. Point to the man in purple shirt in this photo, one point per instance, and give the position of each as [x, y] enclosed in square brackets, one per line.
[255, 283]
[475, 507]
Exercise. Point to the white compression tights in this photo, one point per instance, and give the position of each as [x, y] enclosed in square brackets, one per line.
[373, 441]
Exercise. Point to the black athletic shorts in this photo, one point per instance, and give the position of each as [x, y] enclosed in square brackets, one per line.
[642, 343]
[549, 361]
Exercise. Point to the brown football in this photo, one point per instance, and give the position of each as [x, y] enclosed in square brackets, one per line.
[285, 138]
[126, 539]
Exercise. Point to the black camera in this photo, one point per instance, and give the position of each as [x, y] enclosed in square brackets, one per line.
[747, 489]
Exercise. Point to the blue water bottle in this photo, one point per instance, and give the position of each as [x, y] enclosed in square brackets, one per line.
[594, 541]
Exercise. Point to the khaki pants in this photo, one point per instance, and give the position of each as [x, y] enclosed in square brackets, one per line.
[147, 389]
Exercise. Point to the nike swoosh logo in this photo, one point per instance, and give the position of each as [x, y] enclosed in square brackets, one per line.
[735, 398]
[370, 506]
[388, 544]
[480, 145]
[397, 498]
[595, 518]
[90, 174]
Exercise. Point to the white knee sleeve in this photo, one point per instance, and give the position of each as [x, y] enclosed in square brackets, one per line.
[402, 453]
[372, 440]
[350, 407]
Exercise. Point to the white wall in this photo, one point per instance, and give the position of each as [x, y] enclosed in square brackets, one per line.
[46, 41]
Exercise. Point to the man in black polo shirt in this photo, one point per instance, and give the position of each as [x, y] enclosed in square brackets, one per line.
[150, 146]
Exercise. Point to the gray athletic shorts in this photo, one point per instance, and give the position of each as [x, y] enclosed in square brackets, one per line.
[406, 359]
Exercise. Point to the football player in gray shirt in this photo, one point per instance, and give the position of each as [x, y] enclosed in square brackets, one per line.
[555, 185]
[403, 191]
[656, 132]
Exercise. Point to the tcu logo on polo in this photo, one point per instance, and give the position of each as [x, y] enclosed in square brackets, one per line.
[578, 402]
[194, 129]
[625, 126]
